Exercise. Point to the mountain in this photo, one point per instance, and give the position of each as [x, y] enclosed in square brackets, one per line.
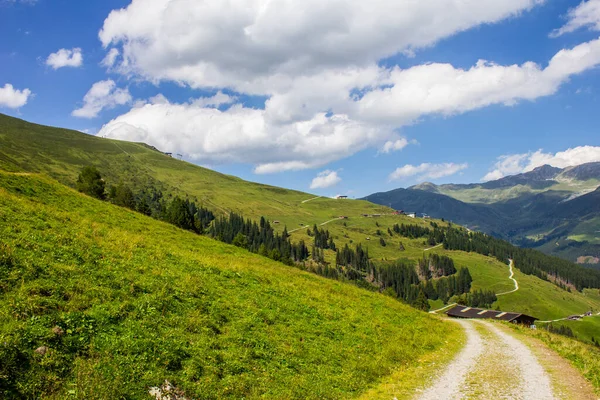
[60, 154]
[551, 209]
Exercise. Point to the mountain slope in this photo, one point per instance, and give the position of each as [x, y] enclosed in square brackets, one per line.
[115, 303]
[61, 153]
[551, 209]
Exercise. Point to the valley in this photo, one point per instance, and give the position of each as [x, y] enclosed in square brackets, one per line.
[550, 209]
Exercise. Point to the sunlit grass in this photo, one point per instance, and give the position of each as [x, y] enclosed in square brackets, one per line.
[140, 301]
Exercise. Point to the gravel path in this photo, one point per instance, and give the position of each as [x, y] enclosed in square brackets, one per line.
[481, 357]
[449, 385]
[535, 383]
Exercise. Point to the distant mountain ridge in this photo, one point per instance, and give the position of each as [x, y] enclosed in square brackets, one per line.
[556, 210]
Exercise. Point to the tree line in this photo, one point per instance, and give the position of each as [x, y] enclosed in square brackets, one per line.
[182, 213]
[435, 266]
[529, 261]
[258, 238]
[435, 234]
[399, 279]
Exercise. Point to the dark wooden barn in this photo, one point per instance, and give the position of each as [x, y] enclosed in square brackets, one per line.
[479, 313]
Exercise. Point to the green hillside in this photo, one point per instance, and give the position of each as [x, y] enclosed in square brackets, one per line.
[62, 153]
[120, 302]
[550, 209]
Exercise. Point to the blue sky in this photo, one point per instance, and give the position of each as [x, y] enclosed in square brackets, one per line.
[346, 101]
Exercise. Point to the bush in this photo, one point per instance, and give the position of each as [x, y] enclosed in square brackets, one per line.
[90, 182]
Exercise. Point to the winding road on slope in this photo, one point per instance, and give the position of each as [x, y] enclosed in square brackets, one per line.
[493, 364]
[511, 277]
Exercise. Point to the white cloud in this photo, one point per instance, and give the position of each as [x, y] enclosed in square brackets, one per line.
[240, 134]
[519, 163]
[110, 58]
[65, 58]
[217, 100]
[317, 64]
[586, 14]
[13, 98]
[325, 179]
[394, 145]
[103, 94]
[427, 171]
[226, 44]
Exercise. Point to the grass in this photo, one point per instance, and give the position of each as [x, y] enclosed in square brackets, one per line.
[407, 380]
[544, 300]
[140, 301]
[61, 153]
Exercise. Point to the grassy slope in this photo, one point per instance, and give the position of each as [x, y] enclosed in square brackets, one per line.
[141, 301]
[30, 147]
[489, 196]
[62, 153]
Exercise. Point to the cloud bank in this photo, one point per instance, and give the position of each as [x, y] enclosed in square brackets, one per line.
[317, 65]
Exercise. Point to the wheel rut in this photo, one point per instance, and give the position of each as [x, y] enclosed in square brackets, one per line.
[493, 364]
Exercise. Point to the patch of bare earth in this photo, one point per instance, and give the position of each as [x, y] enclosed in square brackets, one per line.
[495, 365]
[493, 376]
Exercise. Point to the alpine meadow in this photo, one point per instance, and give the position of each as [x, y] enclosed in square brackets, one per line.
[390, 200]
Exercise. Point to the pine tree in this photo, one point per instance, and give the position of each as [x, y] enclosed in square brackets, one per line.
[421, 302]
[91, 183]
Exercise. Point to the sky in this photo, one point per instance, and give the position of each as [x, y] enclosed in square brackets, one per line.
[339, 97]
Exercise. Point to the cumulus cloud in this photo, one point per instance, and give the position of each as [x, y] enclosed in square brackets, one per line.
[207, 44]
[219, 99]
[519, 163]
[427, 171]
[586, 14]
[394, 145]
[102, 95]
[110, 58]
[325, 179]
[65, 58]
[327, 95]
[302, 137]
[13, 98]
[240, 134]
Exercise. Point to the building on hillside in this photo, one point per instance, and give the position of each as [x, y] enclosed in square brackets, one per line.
[341, 197]
[169, 154]
[479, 313]
[425, 216]
[411, 215]
[398, 212]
